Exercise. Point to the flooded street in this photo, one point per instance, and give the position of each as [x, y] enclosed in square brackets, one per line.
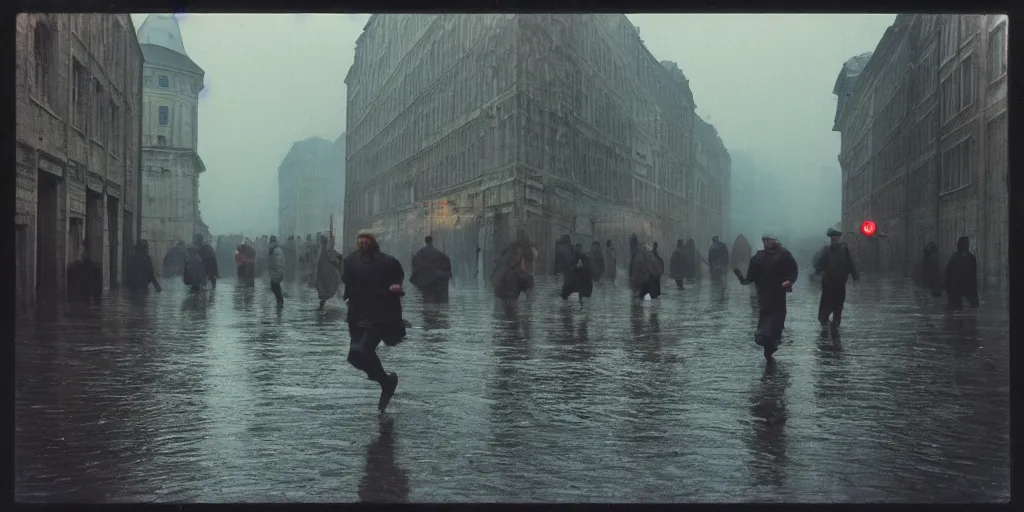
[222, 399]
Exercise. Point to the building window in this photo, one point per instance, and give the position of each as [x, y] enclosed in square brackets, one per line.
[950, 35]
[967, 82]
[115, 129]
[997, 53]
[164, 113]
[79, 94]
[163, 82]
[98, 119]
[43, 48]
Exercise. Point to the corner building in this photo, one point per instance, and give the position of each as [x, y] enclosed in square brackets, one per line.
[170, 135]
[77, 114]
[467, 127]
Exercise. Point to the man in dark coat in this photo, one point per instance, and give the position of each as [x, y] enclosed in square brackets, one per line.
[579, 279]
[596, 261]
[209, 260]
[373, 292]
[643, 269]
[962, 276]
[140, 270]
[677, 264]
[514, 269]
[611, 262]
[718, 259]
[174, 260]
[656, 281]
[931, 269]
[563, 255]
[431, 271]
[834, 264]
[772, 271]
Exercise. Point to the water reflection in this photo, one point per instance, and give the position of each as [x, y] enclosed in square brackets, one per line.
[243, 297]
[435, 317]
[768, 442]
[383, 481]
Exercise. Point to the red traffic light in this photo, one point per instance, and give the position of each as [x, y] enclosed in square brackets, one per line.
[867, 228]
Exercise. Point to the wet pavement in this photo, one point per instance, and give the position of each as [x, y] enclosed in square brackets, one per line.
[220, 399]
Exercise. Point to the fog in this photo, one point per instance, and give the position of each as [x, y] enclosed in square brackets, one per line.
[764, 81]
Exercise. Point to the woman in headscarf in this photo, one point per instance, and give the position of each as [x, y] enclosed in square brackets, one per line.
[328, 272]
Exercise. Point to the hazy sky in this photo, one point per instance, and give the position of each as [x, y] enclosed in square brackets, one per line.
[765, 81]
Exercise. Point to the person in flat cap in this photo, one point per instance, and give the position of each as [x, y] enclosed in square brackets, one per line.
[772, 270]
[834, 264]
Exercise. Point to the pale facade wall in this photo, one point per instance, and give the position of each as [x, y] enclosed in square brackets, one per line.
[77, 82]
[170, 157]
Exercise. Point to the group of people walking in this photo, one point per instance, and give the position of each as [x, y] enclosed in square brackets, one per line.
[373, 281]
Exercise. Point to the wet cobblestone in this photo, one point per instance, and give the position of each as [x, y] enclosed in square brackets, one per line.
[221, 399]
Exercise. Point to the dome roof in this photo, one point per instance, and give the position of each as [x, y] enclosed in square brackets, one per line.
[153, 54]
[162, 30]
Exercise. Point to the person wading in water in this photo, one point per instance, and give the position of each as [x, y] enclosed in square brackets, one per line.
[962, 276]
[772, 271]
[431, 272]
[579, 279]
[835, 265]
[275, 270]
[514, 269]
[373, 292]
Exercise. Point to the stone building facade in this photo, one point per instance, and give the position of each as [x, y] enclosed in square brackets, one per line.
[78, 98]
[923, 126]
[170, 134]
[311, 187]
[467, 127]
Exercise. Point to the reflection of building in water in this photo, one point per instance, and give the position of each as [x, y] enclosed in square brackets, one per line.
[924, 151]
[311, 187]
[77, 154]
[469, 126]
[170, 132]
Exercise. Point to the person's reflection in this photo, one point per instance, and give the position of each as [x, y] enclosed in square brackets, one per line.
[383, 480]
[243, 296]
[510, 388]
[435, 317]
[962, 329]
[768, 414]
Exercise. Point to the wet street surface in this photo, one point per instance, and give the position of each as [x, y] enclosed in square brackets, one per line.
[221, 399]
